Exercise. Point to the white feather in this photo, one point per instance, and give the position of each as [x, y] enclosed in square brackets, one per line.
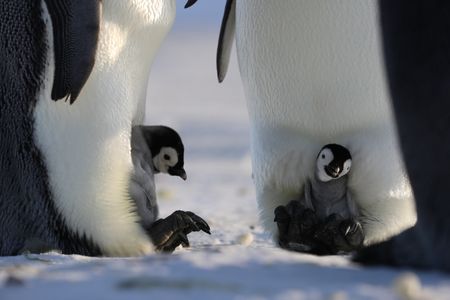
[86, 146]
[161, 163]
[312, 74]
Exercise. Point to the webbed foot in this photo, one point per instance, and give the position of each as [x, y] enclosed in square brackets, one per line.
[169, 233]
[339, 235]
[296, 225]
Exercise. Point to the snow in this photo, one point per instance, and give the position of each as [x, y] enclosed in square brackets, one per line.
[238, 260]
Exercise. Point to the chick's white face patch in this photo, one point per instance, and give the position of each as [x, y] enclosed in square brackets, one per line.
[347, 167]
[323, 159]
[166, 158]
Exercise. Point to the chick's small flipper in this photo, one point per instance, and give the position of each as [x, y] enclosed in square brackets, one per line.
[169, 233]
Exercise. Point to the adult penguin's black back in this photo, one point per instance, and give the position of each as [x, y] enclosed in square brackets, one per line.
[416, 37]
[27, 212]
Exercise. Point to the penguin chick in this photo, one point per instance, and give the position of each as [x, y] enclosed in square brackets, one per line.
[326, 193]
[159, 149]
[154, 149]
[166, 148]
[323, 220]
[328, 196]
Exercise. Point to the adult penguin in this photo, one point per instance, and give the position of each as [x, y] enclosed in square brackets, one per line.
[312, 73]
[65, 167]
[416, 36]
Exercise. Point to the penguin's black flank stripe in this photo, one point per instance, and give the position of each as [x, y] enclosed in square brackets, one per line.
[27, 210]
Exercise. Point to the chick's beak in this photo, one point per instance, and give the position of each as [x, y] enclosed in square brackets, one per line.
[183, 174]
[180, 172]
[332, 171]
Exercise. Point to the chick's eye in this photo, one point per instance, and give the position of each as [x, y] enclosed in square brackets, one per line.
[166, 157]
[323, 156]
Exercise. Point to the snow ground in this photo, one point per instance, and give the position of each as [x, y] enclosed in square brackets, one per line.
[212, 121]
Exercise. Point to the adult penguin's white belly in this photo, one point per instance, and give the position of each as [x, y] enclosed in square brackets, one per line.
[86, 145]
[312, 74]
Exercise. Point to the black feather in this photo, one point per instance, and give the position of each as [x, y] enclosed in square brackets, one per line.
[75, 32]
[226, 38]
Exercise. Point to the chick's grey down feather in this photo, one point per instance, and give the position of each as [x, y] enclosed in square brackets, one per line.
[327, 198]
[142, 182]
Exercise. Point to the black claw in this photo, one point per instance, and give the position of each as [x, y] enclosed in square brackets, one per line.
[353, 233]
[205, 227]
[199, 222]
[184, 240]
[176, 240]
[184, 222]
[190, 223]
[341, 236]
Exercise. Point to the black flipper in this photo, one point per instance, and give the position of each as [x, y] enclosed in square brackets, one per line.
[189, 3]
[75, 30]
[226, 38]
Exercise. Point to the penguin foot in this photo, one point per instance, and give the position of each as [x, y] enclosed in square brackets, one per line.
[300, 230]
[410, 249]
[37, 246]
[296, 225]
[169, 233]
[340, 235]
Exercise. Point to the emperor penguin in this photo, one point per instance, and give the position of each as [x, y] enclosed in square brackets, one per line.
[416, 36]
[312, 73]
[65, 166]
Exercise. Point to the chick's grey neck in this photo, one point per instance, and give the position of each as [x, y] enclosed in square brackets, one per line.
[329, 191]
[329, 197]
